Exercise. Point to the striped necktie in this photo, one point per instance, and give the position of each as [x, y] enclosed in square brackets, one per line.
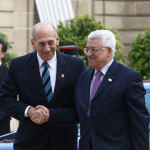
[47, 82]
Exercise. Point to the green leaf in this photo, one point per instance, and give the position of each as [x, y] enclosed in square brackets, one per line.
[139, 56]
[8, 57]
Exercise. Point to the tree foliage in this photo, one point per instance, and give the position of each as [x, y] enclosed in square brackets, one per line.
[76, 30]
[8, 57]
[139, 55]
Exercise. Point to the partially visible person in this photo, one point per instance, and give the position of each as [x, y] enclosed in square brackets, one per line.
[110, 100]
[45, 81]
[4, 118]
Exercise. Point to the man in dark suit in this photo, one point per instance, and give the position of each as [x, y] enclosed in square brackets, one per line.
[43, 124]
[113, 116]
[4, 118]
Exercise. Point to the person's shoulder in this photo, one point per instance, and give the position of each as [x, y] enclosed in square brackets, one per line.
[127, 70]
[85, 75]
[4, 67]
[125, 67]
[86, 71]
[23, 61]
[24, 57]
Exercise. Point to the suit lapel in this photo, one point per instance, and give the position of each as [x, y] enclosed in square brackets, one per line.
[1, 71]
[87, 85]
[109, 78]
[35, 76]
[60, 74]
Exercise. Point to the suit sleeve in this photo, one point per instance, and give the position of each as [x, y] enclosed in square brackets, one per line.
[63, 117]
[138, 114]
[8, 95]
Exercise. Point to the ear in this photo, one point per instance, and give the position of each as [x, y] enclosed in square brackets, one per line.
[33, 43]
[3, 54]
[57, 40]
[109, 51]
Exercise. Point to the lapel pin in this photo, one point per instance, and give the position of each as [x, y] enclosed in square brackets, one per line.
[110, 80]
[62, 75]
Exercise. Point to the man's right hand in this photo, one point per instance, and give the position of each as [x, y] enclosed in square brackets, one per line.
[39, 114]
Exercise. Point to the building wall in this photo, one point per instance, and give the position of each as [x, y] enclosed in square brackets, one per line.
[82, 7]
[16, 21]
[129, 17]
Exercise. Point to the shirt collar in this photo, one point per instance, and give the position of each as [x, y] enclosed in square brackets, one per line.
[0, 63]
[50, 62]
[105, 68]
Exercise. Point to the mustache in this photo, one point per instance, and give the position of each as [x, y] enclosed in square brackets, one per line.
[91, 57]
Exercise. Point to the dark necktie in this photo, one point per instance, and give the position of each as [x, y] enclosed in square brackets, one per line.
[47, 82]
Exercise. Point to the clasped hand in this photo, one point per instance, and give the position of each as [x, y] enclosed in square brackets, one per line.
[38, 114]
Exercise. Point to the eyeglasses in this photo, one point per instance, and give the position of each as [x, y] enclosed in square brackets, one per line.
[92, 49]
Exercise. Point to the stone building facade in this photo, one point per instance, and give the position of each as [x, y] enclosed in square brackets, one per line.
[129, 17]
[16, 21]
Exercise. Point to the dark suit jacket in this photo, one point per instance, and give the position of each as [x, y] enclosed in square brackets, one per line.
[24, 79]
[119, 119]
[4, 118]
[3, 72]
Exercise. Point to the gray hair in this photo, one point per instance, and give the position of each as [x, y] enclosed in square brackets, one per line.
[107, 38]
[36, 25]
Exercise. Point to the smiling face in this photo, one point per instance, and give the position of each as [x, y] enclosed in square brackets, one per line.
[99, 58]
[45, 41]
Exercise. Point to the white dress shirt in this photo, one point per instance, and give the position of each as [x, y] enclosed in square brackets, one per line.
[52, 70]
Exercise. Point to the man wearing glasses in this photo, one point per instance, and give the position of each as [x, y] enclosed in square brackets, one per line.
[110, 100]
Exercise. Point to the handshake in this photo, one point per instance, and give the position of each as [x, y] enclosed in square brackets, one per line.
[39, 114]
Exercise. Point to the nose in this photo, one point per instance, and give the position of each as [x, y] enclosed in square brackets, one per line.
[88, 53]
[47, 47]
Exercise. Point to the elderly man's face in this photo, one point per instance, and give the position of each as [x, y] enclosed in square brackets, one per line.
[99, 58]
[45, 41]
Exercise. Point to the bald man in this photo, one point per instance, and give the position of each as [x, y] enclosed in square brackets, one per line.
[44, 81]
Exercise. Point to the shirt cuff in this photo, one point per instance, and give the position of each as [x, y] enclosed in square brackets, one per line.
[25, 113]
